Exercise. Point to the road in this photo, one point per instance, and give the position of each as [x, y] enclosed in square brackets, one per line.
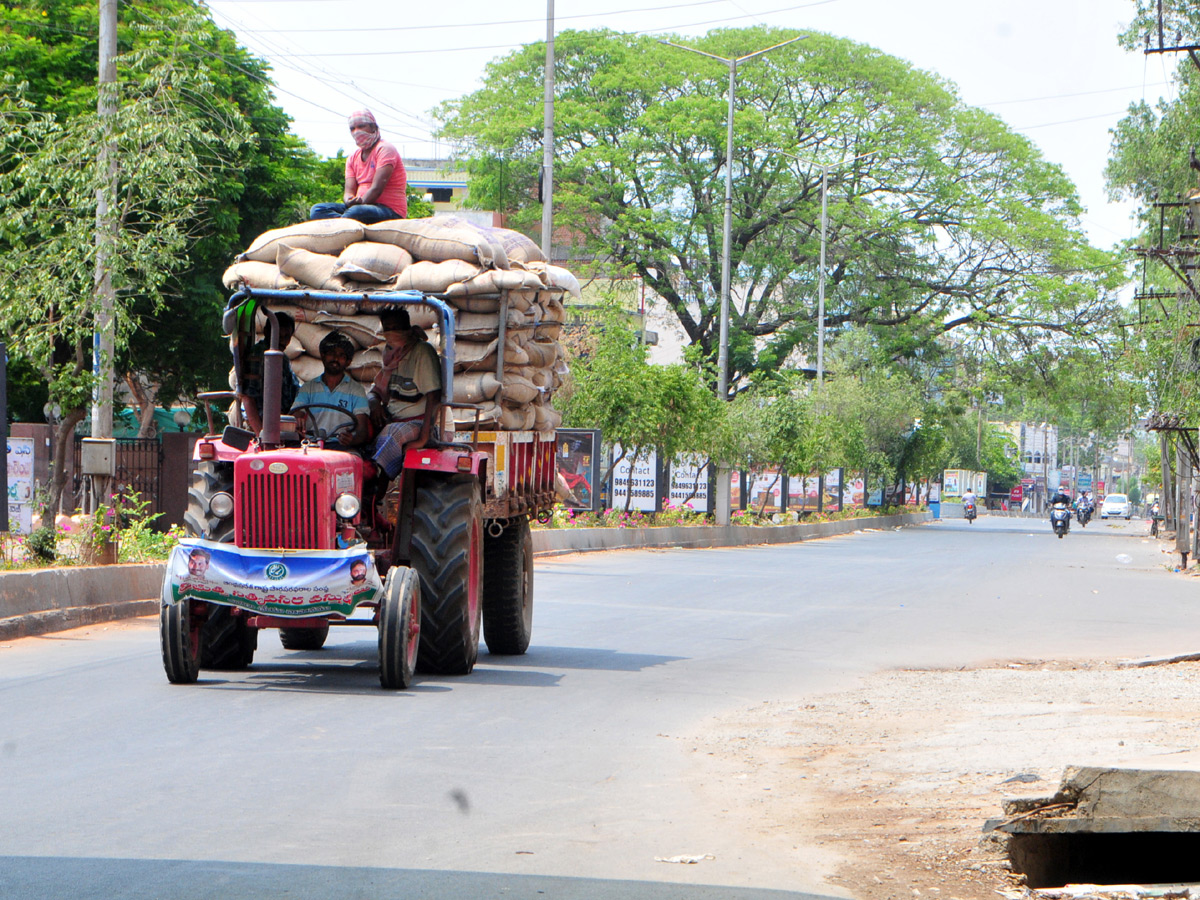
[564, 773]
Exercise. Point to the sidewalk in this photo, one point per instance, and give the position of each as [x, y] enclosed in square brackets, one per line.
[39, 601]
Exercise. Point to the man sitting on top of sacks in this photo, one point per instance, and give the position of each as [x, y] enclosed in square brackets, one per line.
[399, 394]
[335, 387]
[376, 183]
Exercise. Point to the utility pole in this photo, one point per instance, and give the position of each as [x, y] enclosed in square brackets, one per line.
[106, 226]
[548, 139]
[723, 470]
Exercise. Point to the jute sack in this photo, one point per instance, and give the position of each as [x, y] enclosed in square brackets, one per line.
[499, 254]
[317, 270]
[522, 300]
[472, 387]
[516, 418]
[263, 275]
[419, 314]
[430, 240]
[433, 277]
[557, 277]
[470, 357]
[493, 281]
[310, 337]
[484, 326]
[366, 364]
[488, 412]
[320, 236]
[543, 352]
[518, 247]
[307, 368]
[330, 307]
[545, 417]
[468, 303]
[373, 261]
[516, 389]
[362, 329]
[553, 309]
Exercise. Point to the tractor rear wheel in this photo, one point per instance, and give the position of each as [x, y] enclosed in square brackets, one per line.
[508, 588]
[399, 627]
[226, 642]
[447, 554]
[304, 638]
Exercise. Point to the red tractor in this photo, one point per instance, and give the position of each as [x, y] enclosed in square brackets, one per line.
[283, 532]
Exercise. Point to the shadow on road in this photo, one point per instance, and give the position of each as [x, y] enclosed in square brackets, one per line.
[582, 658]
[75, 878]
[352, 668]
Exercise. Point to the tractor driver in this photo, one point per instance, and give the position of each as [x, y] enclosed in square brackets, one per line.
[400, 393]
[335, 387]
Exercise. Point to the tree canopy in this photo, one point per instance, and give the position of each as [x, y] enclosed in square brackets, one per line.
[262, 179]
[939, 216]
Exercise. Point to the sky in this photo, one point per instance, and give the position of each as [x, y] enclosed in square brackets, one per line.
[1051, 69]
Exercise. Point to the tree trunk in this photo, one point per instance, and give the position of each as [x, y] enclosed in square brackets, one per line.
[145, 400]
[64, 435]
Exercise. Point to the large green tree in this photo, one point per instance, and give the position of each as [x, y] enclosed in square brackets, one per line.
[266, 177]
[1153, 160]
[939, 215]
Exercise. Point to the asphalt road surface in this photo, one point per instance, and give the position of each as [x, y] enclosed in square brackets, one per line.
[550, 775]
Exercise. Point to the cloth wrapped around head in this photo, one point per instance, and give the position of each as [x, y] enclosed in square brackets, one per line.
[363, 117]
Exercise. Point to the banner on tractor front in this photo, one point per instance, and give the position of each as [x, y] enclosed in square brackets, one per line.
[291, 583]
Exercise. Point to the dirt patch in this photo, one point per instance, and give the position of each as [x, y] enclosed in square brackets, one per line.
[897, 776]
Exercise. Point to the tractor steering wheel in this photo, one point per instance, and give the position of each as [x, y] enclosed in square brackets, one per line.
[318, 432]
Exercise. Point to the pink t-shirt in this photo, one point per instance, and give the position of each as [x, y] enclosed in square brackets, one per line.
[394, 196]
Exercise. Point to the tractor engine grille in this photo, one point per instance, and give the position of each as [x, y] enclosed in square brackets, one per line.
[279, 511]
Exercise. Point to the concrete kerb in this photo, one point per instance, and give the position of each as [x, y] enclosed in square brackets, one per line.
[45, 600]
[557, 541]
[38, 601]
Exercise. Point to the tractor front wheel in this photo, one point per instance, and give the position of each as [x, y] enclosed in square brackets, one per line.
[399, 627]
[179, 634]
[508, 588]
[226, 642]
[447, 554]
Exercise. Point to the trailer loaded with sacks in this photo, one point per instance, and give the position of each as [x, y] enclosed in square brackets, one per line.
[285, 530]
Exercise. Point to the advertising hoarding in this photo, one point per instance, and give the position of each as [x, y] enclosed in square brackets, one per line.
[20, 485]
[578, 458]
[635, 481]
[689, 483]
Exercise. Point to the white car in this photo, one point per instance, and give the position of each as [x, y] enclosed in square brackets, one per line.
[1117, 506]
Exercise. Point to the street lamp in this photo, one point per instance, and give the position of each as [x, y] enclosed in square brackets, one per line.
[723, 346]
[825, 167]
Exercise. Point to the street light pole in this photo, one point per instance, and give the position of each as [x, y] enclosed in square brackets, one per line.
[821, 281]
[825, 167]
[722, 502]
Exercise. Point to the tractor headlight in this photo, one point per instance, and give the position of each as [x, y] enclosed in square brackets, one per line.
[221, 505]
[347, 506]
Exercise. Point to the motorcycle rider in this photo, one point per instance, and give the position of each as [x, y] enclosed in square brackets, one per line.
[1060, 508]
[969, 503]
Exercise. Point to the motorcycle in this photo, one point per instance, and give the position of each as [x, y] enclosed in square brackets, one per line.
[1060, 519]
[969, 510]
[1084, 515]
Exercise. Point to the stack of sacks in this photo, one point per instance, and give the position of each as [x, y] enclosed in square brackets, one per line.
[478, 271]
